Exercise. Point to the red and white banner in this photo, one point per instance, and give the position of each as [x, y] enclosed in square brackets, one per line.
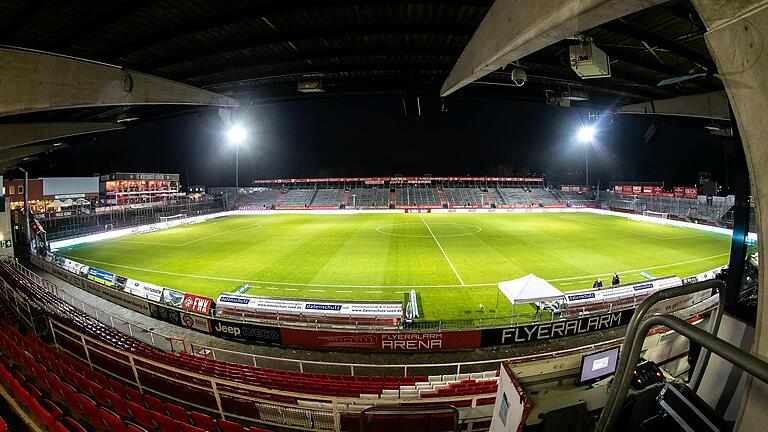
[197, 304]
[380, 180]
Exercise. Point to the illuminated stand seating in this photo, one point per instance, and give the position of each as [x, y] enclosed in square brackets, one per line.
[463, 196]
[220, 389]
[327, 197]
[516, 196]
[544, 196]
[259, 199]
[424, 196]
[374, 197]
[296, 198]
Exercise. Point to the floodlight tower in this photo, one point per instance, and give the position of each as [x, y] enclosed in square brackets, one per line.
[236, 135]
[585, 136]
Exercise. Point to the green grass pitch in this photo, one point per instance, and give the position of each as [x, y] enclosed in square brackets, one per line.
[454, 261]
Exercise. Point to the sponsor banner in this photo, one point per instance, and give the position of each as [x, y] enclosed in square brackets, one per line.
[299, 307]
[376, 180]
[164, 314]
[101, 276]
[172, 297]
[196, 322]
[582, 298]
[381, 341]
[554, 329]
[197, 304]
[248, 332]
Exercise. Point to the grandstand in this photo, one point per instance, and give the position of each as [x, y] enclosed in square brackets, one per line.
[263, 198]
[296, 197]
[117, 380]
[516, 196]
[327, 198]
[369, 197]
[459, 197]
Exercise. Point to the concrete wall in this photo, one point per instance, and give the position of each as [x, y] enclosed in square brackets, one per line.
[737, 37]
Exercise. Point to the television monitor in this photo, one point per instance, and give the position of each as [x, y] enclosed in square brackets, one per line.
[598, 365]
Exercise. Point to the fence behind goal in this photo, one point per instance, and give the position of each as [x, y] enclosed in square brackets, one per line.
[661, 215]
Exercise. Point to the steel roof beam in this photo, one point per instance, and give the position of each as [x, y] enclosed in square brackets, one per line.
[257, 11]
[284, 37]
[712, 105]
[36, 81]
[19, 134]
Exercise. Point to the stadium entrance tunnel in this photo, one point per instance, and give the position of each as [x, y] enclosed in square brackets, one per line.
[433, 229]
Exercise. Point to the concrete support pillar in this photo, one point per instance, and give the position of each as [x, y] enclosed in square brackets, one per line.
[737, 37]
[19, 134]
[712, 105]
[512, 29]
[35, 81]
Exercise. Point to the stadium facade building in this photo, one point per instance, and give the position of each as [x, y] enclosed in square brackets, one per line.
[138, 188]
[52, 194]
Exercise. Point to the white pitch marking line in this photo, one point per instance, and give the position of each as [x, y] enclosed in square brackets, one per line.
[316, 290]
[256, 225]
[374, 292]
[567, 283]
[344, 291]
[193, 276]
[441, 249]
[273, 288]
[291, 289]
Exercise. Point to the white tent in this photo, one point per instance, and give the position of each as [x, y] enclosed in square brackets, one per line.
[528, 289]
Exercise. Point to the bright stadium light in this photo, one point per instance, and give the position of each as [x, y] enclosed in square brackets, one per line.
[586, 134]
[236, 134]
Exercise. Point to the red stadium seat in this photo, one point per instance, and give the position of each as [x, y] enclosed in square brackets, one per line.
[140, 415]
[189, 428]
[444, 422]
[165, 423]
[114, 423]
[203, 421]
[228, 426]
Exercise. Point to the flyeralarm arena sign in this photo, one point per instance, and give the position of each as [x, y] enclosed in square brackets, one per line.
[554, 329]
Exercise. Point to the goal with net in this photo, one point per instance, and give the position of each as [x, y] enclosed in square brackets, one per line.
[178, 219]
[659, 215]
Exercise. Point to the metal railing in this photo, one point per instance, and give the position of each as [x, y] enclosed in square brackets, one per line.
[147, 374]
[631, 348]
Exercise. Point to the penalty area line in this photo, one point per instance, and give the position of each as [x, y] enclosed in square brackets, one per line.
[441, 249]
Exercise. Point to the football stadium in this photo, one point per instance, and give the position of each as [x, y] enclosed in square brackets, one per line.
[453, 261]
[383, 216]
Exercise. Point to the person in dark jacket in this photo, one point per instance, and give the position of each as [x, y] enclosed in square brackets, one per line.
[598, 283]
[616, 280]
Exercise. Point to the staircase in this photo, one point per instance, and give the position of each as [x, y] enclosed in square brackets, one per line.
[392, 198]
[345, 198]
[442, 196]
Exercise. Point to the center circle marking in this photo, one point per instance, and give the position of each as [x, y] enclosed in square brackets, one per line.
[382, 229]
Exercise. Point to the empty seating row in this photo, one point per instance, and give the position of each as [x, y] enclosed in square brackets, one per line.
[70, 394]
[117, 363]
[463, 196]
[296, 198]
[327, 198]
[373, 197]
[258, 199]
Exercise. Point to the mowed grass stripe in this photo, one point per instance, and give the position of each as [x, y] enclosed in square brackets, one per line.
[349, 258]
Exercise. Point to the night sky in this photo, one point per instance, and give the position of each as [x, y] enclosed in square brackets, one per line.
[371, 136]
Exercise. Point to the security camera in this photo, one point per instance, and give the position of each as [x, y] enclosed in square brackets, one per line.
[519, 77]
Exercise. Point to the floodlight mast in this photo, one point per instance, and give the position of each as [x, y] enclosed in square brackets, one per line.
[236, 135]
[585, 136]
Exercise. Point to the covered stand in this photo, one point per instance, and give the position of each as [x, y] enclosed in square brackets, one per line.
[528, 289]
